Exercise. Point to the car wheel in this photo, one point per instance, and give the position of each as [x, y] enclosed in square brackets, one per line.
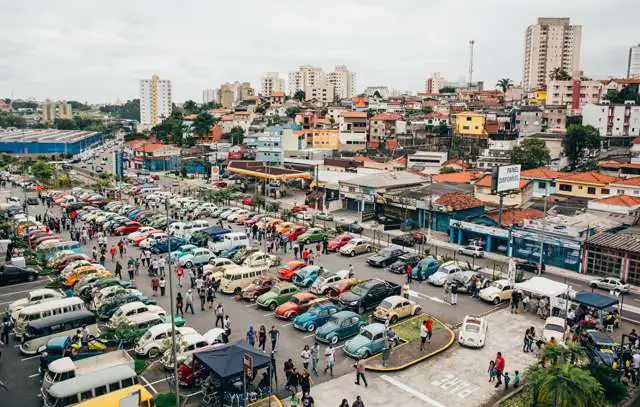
[153, 353]
[496, 301]
[361, 309]
[273, 306]
[311, 328]
[31, 277]
[369, 249]
[594, 285]
[393, 319]
[353, 253]
[291, 316]
[198, 382]
[189, 264]
[417, 311]
[334, 339]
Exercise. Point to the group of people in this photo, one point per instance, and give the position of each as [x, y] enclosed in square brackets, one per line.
[498, 374]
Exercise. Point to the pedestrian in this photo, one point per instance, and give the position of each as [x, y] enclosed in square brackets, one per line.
[516, 379]
[288, 370]
[492, 371]
[155, 283]
[454, 293]
[189, 301]
[219, 311]
[192, 276]
[179, 273]
[211, 295]
[515, 299]
[161, 266]
[315, 358]
[305, 255]
[179, 305]
[307, 400]
[199, 283]
[525, 341]
[423, 335]
[121, 247]
[499, 366]
[273, 368]
[262, 337]
[295, 252]
[6, 329]
[274, 334]
[227, 328]
[329, 359]
[507, 380]
[531, 338]
[130, 272]
[118, 271]
[136, 265]
[203, 299]
[405, 290]
[360, 366]
[409, 273]
[351, 272]
[305, 355]
[344, 403]
[163, 285]
[113, 253]
[305, 382]
[325, 245]
[429, 326]
[94, 253]
[251, 336]
[358, 402]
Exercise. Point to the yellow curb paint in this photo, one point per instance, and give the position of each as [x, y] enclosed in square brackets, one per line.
[420, 359]
[278, 403]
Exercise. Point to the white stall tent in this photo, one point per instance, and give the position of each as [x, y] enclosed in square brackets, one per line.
[543, 287]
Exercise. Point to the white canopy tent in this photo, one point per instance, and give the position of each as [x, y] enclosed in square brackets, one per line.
[544, 287]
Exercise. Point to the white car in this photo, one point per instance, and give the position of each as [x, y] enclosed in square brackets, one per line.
[34, 297]
[324, 281]
[220, 262]
[473, 332]
[473, 251]
[133, 308]
[185, 347]
[154, 342]
[260, 259]
[498, 291]
[554, 327]
[214, 336]
[235, 215]
[197, 256]
[148, 242]
[611, 284]
[442, 274]
[304, 215]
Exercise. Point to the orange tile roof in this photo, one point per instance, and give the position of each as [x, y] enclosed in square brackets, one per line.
[465, 177]
[135, 143]
[387, 116]
[354, 115]
[486, 182]
[632, 182]
[277, 94]
[147, 148]
[591, 177]
[459, 201]
[454, 161]
[516, 216]
[541, 173]
[227, 118]
[620, 200]
[616, 164]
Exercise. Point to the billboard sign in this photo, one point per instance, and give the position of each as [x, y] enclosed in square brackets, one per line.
[215, 173]
[505, 178]
[118, 165]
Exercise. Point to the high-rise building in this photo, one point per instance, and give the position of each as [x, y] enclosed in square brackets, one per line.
[270, 83]
[56, 110]
[233, 92]
[434, 83]
[633, 65]
[64, 110]
[208, 95]
[306, 78]
[155, 100]
[343, 81]
[551, 43]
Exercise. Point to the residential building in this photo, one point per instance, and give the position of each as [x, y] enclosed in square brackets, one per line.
[271, 145]
[157, 157]
[617, 124]
[544, 181]
[615, 254]
[551, 43]
[362, 193]
[498, 152]
[618, 169]
[527, 120]
[383, 91]
[353, 128]
[383, 126]
[208, 95]
[635, 150]
[517, 198]
[155, 101]
[307, 77]
[621, 204]
[4, 106]
[323, 138]
[277, 98]
[64, 110]
[584, 185]
[56, 110]
[434, 83]
[429, 162]
[343, 82]
[633, 63]
[628, 186]
[573, 93]
[233, 92]
[270, 83]
[554, 118]
[470, 124]
[322, 94]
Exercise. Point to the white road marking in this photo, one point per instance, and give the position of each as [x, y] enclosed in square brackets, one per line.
[26, 282]
[631, 309]
[427, 297]
[290, 323]
[148, 384]
[15, 292]
[267, 315]
[29, 358]
[34, 375]
[309, 336]
[251, 305]
[158, 381]
[412, 391]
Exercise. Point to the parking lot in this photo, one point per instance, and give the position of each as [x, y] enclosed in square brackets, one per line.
[243, 314]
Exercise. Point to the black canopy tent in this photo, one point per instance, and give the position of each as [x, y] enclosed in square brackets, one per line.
[594, 300]
[227, 362]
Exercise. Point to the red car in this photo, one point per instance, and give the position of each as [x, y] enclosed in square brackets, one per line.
[221, 184]
[254, 220]
[247, 201]
[286, 272]
[298, 304]
[127, 228]
[297, 209]
[339, 241]
[296, 231]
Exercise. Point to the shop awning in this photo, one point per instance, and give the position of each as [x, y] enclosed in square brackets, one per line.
[227, 361]
[259, 170]
[543, 287]
[595, 300]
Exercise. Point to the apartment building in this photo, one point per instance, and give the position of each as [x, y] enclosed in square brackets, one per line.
[470, 124]
[527, 120]
[633, 63]
[155, 101]
[234, 92]
[554, 117]
[322, 94]
[434, 83]
[383, 126]
[271, 83]
[343, 82]
[56, 110]
[208, 95]
[353, 127]
[306, 78]
[584, 184]
[616, 123]
[551, 43]
[565, 92]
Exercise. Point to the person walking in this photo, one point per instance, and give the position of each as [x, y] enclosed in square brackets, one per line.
[6, 329]
[288, 371]
[405, 290]
[203, 298]
[525, 341]
[161, 265]
[360, 367]
[227, 328]
[251, 336]
[103, 260]
[429, 325]
[274, 334]
[358, 402]
[113, 253]
[351, 272]
[118, 271]
[130, 272]
[315, 358]
[305, 382]
[211, 295]
[155, 283]
[180, 273]
[305, 356]
[262, 337]
[423, 335]
[219, 311]
[409, 273]
[499, 366]
[188, 300]
[273, 369]
[344, 403]
[163, 286]
[179, 305]
[329, 359]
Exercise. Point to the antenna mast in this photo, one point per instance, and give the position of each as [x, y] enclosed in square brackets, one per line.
[471, 43]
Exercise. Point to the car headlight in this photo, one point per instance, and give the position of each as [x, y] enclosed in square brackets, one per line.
[353, 303]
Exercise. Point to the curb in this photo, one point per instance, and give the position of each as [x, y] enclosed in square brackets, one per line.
[273, 397]
[420, 359]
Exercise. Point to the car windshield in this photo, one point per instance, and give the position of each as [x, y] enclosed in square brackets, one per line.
[334, 320]
[295, 300]
[553, 327]
[385, 252]
[472, 328]
[367, 334]
[385, 304]
[357, 290]
[314, 310]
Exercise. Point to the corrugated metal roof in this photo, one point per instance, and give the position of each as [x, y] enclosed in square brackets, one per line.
[628, 240]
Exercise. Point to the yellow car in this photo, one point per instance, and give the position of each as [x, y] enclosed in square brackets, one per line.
[284, 227]
[395, 308]
[72, 278]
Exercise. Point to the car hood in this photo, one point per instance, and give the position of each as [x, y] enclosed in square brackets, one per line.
[267, 296]
[333, 244]
[286, 307]
[397, 265]
[326, 329]
[252, 288]
[377, 258]
[349, 297]
[438, 276]
[489, 290]
[356, 343]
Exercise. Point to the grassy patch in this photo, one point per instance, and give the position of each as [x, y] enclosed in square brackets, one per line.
[523, 399]
[409, 329]
[166, 400]
[140, 365]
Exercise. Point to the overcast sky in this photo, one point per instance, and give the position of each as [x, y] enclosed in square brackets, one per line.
[97, 51]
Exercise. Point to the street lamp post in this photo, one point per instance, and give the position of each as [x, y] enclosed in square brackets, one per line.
[173, 317]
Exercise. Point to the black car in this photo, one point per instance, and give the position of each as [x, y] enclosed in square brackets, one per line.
[385, 257]
[367, 295]
[349, 227]
[530, 266]
[400, 265]
[32, 200]
[10, 273]
[598, 346]
[406, 240]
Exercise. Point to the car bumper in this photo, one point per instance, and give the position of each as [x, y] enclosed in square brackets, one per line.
[300, 327]
[374, 263]
[351, 354]
[323, 340]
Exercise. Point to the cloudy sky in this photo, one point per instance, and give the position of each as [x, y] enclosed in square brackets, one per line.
[97, 51]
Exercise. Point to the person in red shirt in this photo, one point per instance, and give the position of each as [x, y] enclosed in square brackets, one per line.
[409, 273]
[499, 366]
[429, 324]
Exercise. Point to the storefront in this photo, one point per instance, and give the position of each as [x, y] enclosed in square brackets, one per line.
[493, 239]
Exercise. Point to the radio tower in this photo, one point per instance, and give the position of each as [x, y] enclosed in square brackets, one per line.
[471, 62]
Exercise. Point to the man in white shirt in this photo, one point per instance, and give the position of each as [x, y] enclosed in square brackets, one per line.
[329, 355]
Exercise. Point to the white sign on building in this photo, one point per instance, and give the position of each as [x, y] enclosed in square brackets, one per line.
[506, 178]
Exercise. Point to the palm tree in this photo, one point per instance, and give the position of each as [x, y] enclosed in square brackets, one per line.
[504, 84]
[202, 124]
[559, 74]
[190, 106]
[564, 385]
[562, 353]
[258, 202]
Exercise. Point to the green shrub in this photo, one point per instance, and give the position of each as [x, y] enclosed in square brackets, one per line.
[166, 400]
[140, 365]
[614, 390]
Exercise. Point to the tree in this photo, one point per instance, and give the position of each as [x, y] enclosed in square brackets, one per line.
[579, 141]
[42, 170]
[299, 95]
[559, 74]
[11, 120]
[377, 95]
[448, 170]
[447, 89]
[130, 110]
[614, 390]
[190, 107]
[210, 105]
[236, 135]
[291, 111]
[202, 124]
[531, 153]
[75, 105]
[504, 84]
[442, 129]
[564, 385]
[629, 92]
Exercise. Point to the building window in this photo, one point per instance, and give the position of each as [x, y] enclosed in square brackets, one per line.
[542, 185]
[605, 191]
[591, 191]
[620, 192]
[565, 187]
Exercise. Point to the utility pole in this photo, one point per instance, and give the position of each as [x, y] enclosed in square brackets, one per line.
[544, 211]
[471, 43]
[173, 317]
